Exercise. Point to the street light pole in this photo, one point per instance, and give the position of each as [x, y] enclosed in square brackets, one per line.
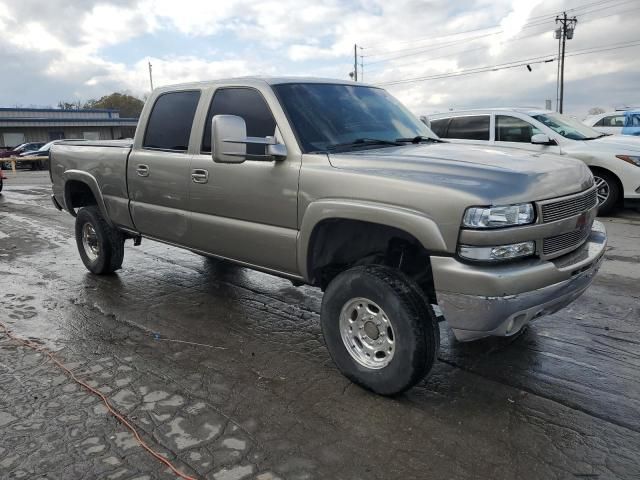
[150, 77]
[355, 62]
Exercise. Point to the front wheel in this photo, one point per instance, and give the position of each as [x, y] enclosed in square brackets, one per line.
[101, 246]
[378, 329]
[607, 190]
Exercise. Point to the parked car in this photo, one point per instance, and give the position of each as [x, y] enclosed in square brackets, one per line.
[14, 152]
[42, 154]
[337, 185]
[613, 159]
[621, 122]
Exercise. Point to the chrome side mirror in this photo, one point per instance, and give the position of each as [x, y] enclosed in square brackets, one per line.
[226, 130]
[542, 139]
[229, 142]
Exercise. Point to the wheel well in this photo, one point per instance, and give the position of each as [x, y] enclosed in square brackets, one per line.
[339, 244]
[78, 194]
[594, 170]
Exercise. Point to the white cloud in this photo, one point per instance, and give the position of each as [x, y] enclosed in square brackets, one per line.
[62, 52]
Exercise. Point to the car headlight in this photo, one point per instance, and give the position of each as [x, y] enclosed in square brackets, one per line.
[499, 252]
[632, 159]
[495, 217]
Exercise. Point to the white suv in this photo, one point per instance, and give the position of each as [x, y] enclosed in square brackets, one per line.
[613, 159]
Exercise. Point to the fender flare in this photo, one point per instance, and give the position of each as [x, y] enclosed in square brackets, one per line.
[92, 183]
[415, 223]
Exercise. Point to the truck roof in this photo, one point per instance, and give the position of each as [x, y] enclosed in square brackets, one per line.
[255, 80]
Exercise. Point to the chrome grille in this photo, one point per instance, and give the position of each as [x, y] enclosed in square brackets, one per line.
[569, 207]
[574, 239]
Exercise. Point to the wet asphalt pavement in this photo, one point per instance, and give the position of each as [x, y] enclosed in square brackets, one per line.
[224, 371]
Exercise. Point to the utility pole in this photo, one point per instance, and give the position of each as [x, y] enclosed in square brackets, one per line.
[355, 62]
[567, 28]
[150, 77]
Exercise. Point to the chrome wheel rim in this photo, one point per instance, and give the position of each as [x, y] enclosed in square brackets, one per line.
[602, 189]
[90, 242]
[367, 333]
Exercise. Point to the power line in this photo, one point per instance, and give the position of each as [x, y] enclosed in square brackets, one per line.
[513, 64]
[486, 68]
[483, 47]
[530, 24]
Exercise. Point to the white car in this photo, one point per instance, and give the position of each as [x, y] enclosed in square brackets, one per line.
[613, 159]
[610, 122]
[625, 122]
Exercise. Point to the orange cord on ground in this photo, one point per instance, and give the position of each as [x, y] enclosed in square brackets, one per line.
[119, 416]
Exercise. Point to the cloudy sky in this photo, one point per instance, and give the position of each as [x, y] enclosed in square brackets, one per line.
[80, 49]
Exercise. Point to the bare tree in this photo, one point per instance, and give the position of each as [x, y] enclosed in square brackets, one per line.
[596, 111]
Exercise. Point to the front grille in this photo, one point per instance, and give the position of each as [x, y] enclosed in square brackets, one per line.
[574, 239]
[569, 207]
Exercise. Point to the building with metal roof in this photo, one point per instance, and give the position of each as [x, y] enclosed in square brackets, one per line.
[20, 125]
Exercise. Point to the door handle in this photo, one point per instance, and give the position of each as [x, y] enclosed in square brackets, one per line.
[142, 170]
[199, 175]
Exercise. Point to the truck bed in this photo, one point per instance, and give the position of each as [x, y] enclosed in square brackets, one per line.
[104, 162]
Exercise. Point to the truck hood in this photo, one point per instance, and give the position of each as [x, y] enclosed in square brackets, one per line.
[493, 176]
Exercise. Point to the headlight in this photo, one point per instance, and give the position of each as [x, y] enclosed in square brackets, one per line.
[494, 217]
[500, 252]
[632, 159]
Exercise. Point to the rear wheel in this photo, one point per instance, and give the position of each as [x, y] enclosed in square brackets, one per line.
[378, 329]
[101, 247]
[608, 191]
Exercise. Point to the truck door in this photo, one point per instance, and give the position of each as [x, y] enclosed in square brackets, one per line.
[246, 211]
[158, 169]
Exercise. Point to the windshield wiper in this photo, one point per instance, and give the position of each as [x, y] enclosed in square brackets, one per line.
[600, 136]
[358, 142]
[418, 139]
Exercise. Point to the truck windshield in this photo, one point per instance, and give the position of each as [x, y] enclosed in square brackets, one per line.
[331, 116]
[568, 127]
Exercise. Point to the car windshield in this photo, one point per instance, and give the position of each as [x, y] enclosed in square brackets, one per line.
[332, 116]
[568, 127]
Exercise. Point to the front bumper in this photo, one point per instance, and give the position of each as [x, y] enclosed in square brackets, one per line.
[513, 295]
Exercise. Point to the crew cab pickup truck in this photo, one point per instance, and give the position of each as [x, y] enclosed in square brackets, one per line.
[335, 184]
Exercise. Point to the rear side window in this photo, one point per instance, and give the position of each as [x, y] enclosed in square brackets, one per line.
[170, 122]
[248, 104]
[474, 127]
[439, 127]
[613, 121]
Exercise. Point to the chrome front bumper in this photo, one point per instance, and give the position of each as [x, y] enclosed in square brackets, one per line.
[513, 295]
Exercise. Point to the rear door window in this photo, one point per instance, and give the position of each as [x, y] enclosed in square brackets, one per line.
[170, 122]
[472, 127]
[248, 104]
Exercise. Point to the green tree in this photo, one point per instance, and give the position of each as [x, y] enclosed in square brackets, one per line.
[128, 105]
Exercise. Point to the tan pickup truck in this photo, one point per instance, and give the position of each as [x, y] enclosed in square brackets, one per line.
[335, 184]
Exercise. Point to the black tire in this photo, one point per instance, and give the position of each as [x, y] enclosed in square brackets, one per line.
[415, 329]
[605, 180]
[109, 242]
[1, 184]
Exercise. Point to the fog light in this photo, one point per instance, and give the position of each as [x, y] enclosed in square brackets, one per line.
[499, 252]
